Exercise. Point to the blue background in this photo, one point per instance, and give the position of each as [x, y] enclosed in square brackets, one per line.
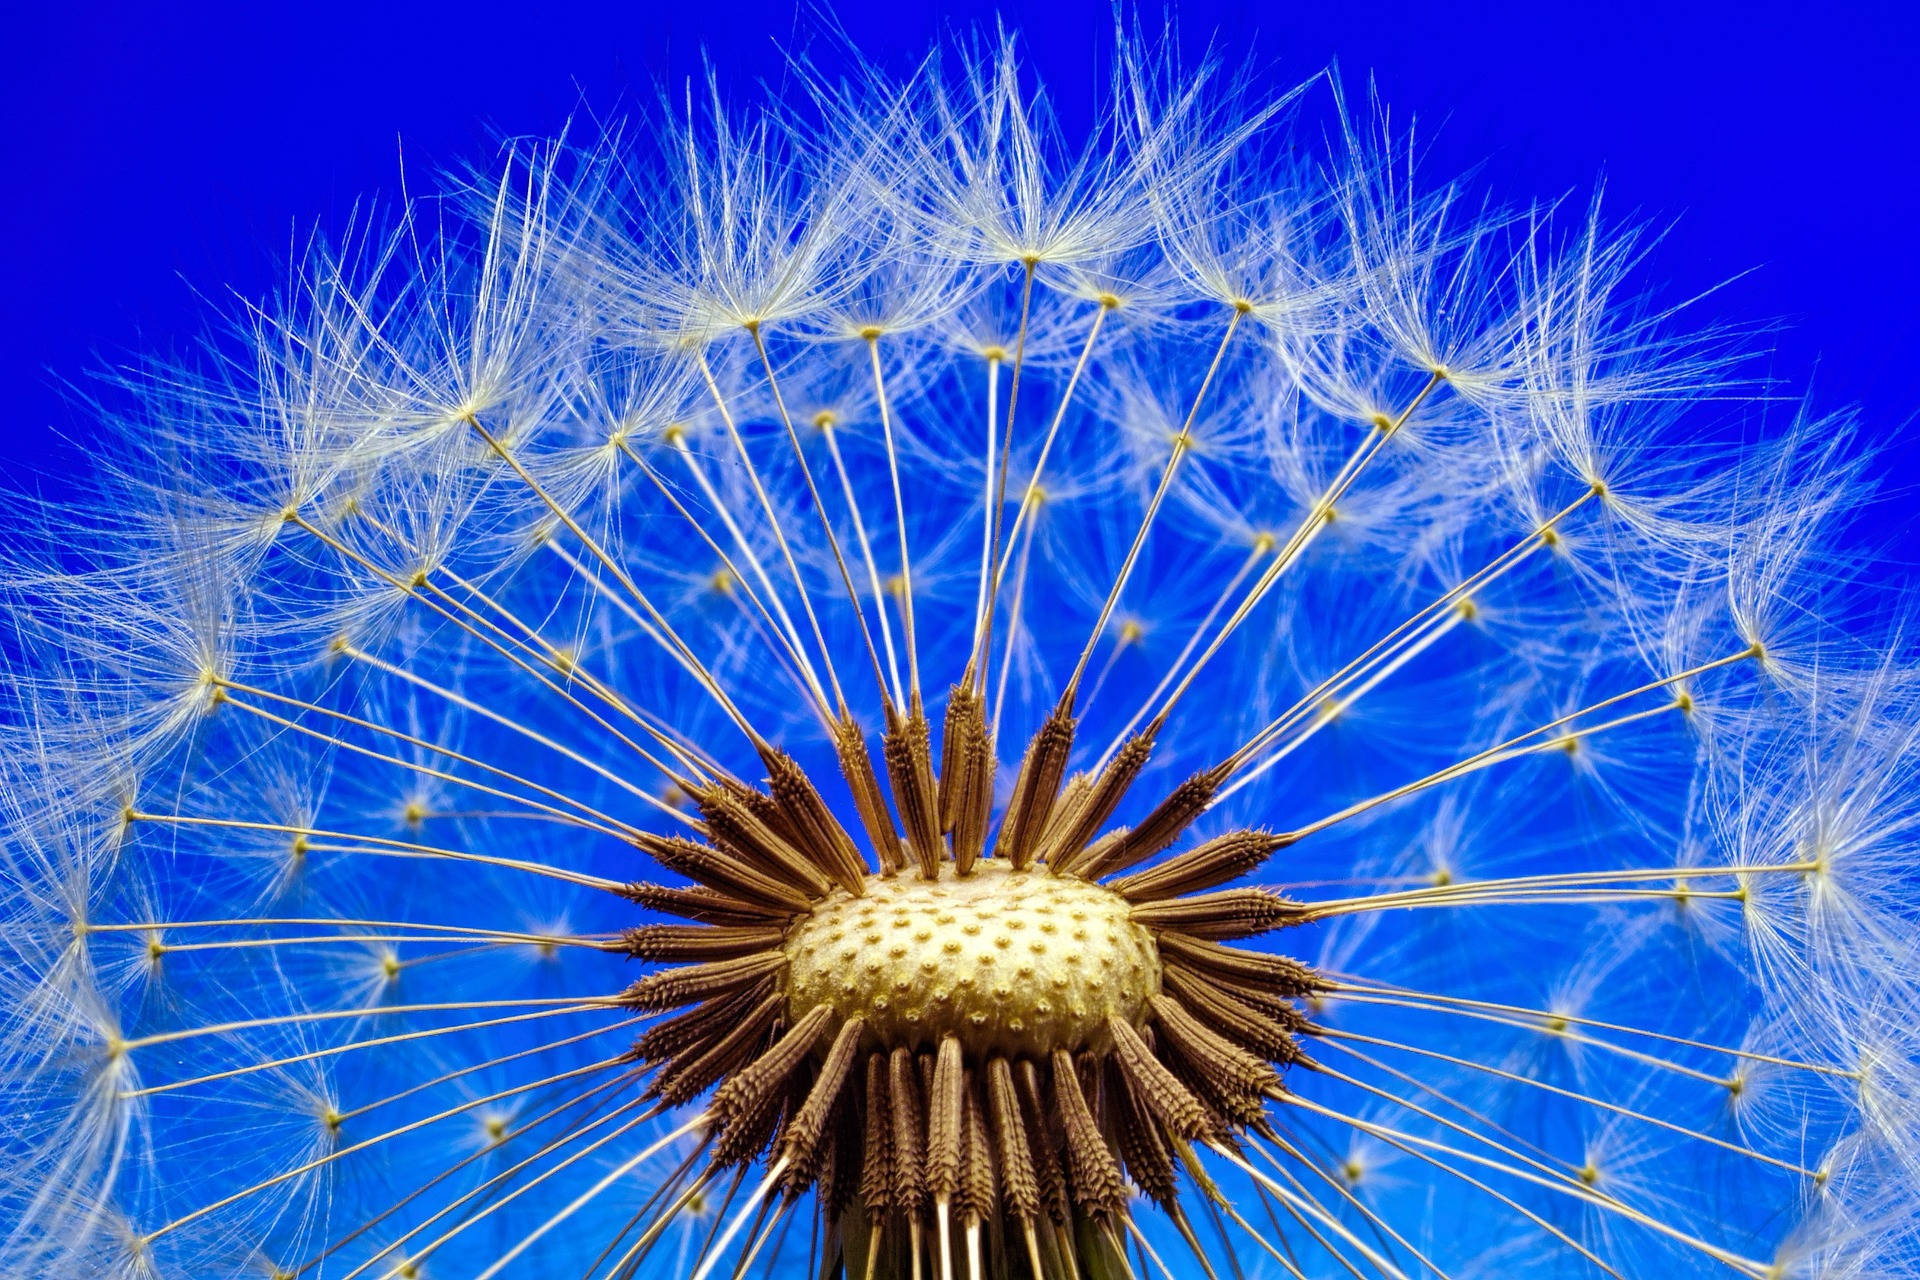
[154, 153]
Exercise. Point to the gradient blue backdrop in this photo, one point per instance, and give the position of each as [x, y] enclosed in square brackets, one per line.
[155, 151]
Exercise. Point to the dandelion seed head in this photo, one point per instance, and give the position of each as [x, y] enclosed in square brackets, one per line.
[868, 687]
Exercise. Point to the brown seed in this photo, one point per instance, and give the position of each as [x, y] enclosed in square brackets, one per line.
[979, 1197]
[839, 1178]
[1045, 1139]
[700, 1024]
[1214, 1056]
[1214, 862]
[725, 874]
[679, 942]
[1097, 1187]
[691, 1072]
[1073, 798]
[1271, 1038]
[802, 1143]
[1010, 1142]
[739, 827]
[966, 774]
[1226, 1107]
[815, 830]
[743, 1104]
[909, 1132]
[1230, 913]
[946, 1120]
[763, 806]
[671, 988]
[1142, 1147]
[1066, 850]
[1150, 1080]
[1035, 788]
[910, 769]
[856, 765]
[1158, 829]
[1277, 975]
[876, 1152]
[701, 903]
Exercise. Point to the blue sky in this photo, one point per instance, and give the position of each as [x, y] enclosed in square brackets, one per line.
[156, 153]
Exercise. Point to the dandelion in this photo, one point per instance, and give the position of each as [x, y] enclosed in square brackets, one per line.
[871, 690]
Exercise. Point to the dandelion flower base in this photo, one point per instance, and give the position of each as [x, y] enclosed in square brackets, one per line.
[1010, 962]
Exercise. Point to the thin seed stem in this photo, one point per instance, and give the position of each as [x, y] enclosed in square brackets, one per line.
[1496, 568]
[795, 645]
[1488, 1010]
[1181, 443]
[410, 1127]
[550, 654]
[347, 1117]
[1262, 547]
[1311, 1207]
[1556, 1171]
[713, 1257]
[510, 1135]
[693, 758]
[779, 533]
[1121, 642]
[1483, 760]
[1303, 534]
[159, 926]
[719, 1218]
[567, 664]
[1510, 1202]
[1216, 1197]
[733, 571]
[1349, 991]
[762, 1234]
[828, 432]
[620, 575]
[1031, 495]
[668, 1186]
[1346, 1194]
[580, 1004]
[989, 526]
[359, 939]
[1013, 627]
[588, 1196]
[1470, 889]
[1557, 1091]
[381, 1041]
[1140, 1241]
[1314, 1233]
[467, 704]
[594, 819]
[1569, 1187]
[1335, 709]
[415, 1257]
[629, 1262]
[899, 520]
[1571, 897]
[412, 590]
[1543, 1159]
[379, 845]
[820, 508]
[983, 633]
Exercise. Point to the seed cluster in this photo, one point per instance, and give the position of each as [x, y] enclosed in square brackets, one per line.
[979, 1035]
